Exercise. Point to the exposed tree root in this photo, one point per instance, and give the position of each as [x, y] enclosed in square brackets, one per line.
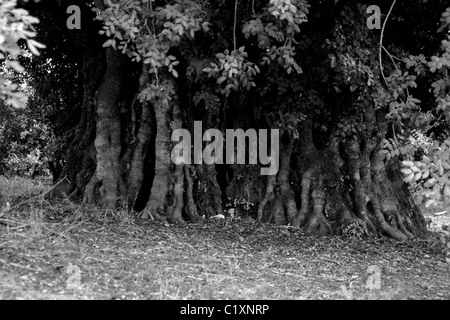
[317, 223]
[306, 183]
[142, 133]
[402, 227]
[391, 231]
[366, 205]
[279, 193]
[206, 190]
[191, 208]
[268, 196]
[355, 164]
[174, 212]
[287, 194]
[89, 192]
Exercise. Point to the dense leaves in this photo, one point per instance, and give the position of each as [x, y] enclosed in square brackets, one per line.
[15, 25]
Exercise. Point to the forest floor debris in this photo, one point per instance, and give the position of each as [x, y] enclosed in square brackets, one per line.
[72, 251]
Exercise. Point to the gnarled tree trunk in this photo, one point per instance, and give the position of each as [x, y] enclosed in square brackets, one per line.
[121, 155]
[343, 189]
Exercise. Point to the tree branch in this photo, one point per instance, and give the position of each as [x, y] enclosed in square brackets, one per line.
[381, 41]
[235, 22]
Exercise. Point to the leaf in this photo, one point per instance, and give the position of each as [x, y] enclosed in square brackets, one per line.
[15, 65]
[221, 79]
[34, 45]
[406, 171]
[430, 202]
[430, 183]
[108, 43]
[118, 35]
[446, 165]
[418, 176]
[447, 191]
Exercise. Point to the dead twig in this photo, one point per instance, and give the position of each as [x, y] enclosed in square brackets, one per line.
[21, 266]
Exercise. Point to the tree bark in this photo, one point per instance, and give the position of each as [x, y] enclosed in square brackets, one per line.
[108, 134]
[368, 203]
[157, 203]
[121, 154]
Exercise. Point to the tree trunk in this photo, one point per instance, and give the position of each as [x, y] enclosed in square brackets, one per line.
[121, 155]
[80, 156]
[139, 148]
[108, 135]
[157, 204]
[370, 202]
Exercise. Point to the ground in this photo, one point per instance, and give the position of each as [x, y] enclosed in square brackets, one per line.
[70, 251]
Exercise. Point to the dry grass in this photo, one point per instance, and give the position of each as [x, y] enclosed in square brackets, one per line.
[16, 188]
[72, 251]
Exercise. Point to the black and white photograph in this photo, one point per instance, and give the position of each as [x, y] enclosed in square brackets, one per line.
[220, 157]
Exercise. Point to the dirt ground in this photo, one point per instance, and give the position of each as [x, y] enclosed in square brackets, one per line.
[75, 252]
